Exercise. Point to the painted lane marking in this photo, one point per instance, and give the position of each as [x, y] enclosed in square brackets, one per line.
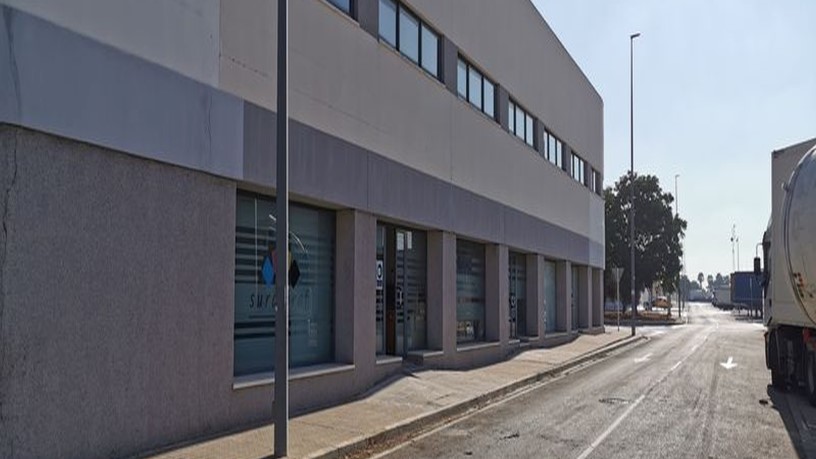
[676, 365]
[631, 408]
[644, 358]
[611, 428]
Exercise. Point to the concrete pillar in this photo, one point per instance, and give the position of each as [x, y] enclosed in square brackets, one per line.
[598, 295]
[497, 293]
[584, 297]
[535, 296]
[442, 292]
[355, 288]
[563, 279]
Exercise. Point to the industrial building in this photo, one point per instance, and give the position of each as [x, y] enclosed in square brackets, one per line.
[446, 172]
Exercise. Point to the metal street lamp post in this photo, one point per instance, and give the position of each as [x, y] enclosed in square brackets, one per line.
[632, 177]
[677, 215]
[281, 414]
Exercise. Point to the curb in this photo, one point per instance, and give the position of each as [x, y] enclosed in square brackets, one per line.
[412, 427]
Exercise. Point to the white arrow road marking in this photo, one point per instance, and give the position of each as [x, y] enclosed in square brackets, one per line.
[729, 364]
[643, 359]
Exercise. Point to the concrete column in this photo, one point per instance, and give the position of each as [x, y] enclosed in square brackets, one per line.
[497, 293]
[563, 279]
[584, 297]
[535, 296]
[355, 288]
[598, 295]
[442, 292]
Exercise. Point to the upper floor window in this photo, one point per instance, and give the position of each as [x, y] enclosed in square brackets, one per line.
[347, 6]
[520, 123]
[578, 169]
[553, 149]
[597, 182]
[403, 30]
[476, 88]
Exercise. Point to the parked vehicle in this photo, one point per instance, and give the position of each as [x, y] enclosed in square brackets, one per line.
[746, 290]
[789, 250]
[722, 298]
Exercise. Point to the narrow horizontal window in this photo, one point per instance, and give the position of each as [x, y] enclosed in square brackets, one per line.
[430, 51]
[388, 22]
[475, 82]
[461, 78]
[476, 88]
[528, 131]
[489, 98]
[344, 5]
[408, 35]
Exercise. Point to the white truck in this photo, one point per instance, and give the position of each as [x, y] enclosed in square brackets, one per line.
[789, 248]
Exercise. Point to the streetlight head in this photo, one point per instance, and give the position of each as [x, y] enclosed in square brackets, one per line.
[634, 35]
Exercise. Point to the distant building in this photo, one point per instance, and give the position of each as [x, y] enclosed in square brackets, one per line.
[446, 175]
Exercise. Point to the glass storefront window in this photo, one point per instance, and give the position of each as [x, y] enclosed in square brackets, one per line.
[311, 297]
[470, 291]
[518, 294]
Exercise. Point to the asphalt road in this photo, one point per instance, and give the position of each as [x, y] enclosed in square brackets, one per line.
[674, 396]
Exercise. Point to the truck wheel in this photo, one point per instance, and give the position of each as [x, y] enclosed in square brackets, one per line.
[810, 377]
[777, 377]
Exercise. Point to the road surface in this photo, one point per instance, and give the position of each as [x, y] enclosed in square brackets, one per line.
[699, 390]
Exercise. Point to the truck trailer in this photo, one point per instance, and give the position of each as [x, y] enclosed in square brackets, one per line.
[789, 252]
[746, 291]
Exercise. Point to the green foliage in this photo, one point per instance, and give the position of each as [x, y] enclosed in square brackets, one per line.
[657, 236]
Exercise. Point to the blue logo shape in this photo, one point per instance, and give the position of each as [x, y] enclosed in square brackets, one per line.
[268, 272]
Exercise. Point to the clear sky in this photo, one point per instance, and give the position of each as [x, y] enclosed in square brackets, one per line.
[719, 85]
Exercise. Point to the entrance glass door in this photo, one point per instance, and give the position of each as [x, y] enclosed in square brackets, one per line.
[401, 290]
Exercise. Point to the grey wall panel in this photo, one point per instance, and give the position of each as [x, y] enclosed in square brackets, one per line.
[9, 84]
[450, 60]
[259, 142]
[74, 87]
[398, 192]
[327, 168]
[368, 15]
[476, 217]
[117, 269]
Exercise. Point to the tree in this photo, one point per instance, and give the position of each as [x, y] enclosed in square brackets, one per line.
[700, 278]
[710, 281]
[657, 236]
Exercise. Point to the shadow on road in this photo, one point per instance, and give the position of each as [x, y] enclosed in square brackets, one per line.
[780, 402]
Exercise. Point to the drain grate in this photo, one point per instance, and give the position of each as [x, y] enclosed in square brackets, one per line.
[615, 401]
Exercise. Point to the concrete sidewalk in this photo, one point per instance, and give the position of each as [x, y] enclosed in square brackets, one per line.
[405, 404]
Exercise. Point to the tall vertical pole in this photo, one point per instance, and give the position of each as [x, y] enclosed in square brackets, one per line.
[632, 177]
[677, 216]
[281, 415]
[733, 236]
